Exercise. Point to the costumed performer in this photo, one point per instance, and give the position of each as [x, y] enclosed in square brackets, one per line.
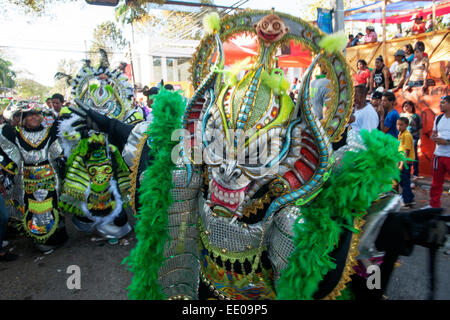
[31, 159]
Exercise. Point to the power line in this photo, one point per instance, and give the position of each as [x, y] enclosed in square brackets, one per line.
[56, 49]
[57, 42]
[197, 25]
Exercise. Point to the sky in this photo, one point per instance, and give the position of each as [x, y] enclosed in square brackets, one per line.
[37, 44]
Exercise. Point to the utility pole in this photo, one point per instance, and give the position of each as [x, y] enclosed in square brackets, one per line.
[131, 64]
[384, 30]
[86, 50]
[338, 15]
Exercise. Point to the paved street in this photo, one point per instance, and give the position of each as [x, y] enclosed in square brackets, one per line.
[410, 280]
[37, 276]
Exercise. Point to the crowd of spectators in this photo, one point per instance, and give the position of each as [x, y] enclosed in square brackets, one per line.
[377, 110]
[419, 25]
[369, 37]
[409, 70]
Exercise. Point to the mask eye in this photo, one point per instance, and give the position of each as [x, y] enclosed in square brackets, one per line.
[265, 25]
[277, 26]
[109, 105]
[107, 170]
[92, 171]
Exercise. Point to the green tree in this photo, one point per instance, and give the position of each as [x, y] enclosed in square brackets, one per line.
[37, 7]
[163, 23]
[109, 37]
[132, 12]
[28, 88]
[7, 76]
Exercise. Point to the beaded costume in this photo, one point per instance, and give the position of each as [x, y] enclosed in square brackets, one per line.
[96, 188]
[240, 194]
[32, 162]
[260, 207]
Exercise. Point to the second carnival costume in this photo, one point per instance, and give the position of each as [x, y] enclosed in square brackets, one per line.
[32, 165]
[238, 192]
[97, 184]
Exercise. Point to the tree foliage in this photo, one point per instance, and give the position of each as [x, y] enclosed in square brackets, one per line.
[30, 89]
[109, 37]
[133, 12]
[37, 7]
[164, 23]
[7, 75]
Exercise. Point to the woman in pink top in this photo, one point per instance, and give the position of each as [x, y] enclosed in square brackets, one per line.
[370, 36]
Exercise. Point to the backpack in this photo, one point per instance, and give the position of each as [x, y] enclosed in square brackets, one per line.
[438, 119]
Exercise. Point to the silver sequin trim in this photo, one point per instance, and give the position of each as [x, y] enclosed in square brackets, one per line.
[129, 151]
[280, 242]
[36, 136]
[233, 237]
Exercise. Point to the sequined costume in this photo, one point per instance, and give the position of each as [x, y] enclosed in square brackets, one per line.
[32, 161]
[240, 237]
[96, 189]
[242, 207]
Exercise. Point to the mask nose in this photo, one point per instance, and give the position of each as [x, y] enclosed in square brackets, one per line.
[229, 171]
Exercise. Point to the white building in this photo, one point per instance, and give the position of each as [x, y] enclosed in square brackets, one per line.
[156, 58]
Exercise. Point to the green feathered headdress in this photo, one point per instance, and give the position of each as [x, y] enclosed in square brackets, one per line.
[333, 43]
[276, 81]
[211, 23]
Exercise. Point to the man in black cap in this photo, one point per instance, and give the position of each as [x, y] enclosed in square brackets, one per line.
[149, 93]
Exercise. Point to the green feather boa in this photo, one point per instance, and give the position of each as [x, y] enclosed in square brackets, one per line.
[146, 258]
[346, 196]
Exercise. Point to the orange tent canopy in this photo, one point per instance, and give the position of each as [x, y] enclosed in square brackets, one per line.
[241, 46]
[299, 57]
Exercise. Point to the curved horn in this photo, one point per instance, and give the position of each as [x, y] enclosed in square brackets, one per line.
[104, 63]
[211, 80]
[314, 184]
[61, 75]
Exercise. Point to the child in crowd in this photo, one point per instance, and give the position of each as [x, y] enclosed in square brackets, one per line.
[415, 128]
[406, 146]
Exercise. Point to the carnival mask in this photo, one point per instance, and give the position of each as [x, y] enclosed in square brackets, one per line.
[99, 169]
[102, 99]
[281, 151]
[271, 29]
